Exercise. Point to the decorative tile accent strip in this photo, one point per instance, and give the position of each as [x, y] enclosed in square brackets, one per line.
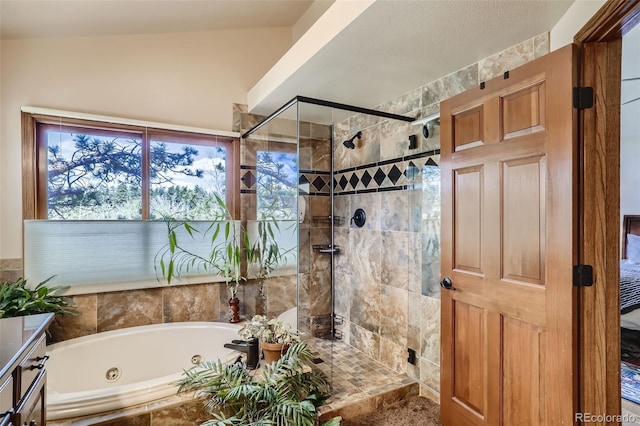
[389, 175]
[319, 181]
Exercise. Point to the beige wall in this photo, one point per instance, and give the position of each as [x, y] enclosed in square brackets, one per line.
[182, 78]
[572, 21]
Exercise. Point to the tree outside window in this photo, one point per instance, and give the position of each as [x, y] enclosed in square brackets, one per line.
[95, 174]
[277, 185]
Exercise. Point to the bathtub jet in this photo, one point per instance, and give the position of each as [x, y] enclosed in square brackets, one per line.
[349, 142]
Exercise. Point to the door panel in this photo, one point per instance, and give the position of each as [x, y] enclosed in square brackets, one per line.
[523, 111]
[468, 215]
[508, 232]
[469, 356]
[468, 128]
[523, 219]
[521, 372]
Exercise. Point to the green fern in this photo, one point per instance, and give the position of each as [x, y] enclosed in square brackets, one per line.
[284, 394]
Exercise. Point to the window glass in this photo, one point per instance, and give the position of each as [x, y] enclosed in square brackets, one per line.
[93, 176]
[103, 173]
[277, 184]
[184, 179]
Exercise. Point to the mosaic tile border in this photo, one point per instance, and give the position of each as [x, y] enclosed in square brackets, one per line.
[390, 175]
[319, 181]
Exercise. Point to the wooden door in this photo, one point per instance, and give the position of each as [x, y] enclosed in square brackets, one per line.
[509, 220]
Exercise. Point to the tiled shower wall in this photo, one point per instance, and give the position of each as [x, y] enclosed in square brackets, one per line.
[387, 278]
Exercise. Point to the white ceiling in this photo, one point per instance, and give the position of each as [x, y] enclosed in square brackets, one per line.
[392, 47]
[396, 46]
[82, 18]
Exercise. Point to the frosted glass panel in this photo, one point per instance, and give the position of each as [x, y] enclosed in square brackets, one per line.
[92, 253]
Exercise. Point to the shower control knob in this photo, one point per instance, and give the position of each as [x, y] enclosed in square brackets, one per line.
[446, 283]
[359, 218]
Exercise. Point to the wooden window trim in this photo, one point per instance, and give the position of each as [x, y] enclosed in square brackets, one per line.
[34, 175]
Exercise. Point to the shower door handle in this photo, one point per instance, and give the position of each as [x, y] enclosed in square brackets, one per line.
[446, 283]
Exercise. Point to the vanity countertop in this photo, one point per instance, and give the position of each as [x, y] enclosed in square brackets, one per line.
[16, 335]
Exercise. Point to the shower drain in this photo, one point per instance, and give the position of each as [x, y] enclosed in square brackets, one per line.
[113, 374]
[196, 359]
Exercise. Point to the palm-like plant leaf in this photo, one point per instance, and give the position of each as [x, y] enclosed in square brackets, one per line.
[285, 394]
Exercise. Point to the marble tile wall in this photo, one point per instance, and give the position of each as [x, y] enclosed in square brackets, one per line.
[386, 281]
[10, 269]
[180, 409]
[120, 309]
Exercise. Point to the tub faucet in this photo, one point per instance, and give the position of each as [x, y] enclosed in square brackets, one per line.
[250, 347]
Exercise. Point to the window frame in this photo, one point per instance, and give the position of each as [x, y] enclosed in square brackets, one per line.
[34, 157]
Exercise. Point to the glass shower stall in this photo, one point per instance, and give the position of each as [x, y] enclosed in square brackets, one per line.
[356, 206]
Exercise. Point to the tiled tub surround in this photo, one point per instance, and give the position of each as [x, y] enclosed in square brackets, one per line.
[176, 303]
[10, 269]
[386, 279]
[175, 410]
[120, 309]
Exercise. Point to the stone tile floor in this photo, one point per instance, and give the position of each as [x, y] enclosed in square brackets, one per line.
[353, 375]
[630, 413]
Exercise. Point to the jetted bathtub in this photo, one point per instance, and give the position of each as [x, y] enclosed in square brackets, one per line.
[121, 368]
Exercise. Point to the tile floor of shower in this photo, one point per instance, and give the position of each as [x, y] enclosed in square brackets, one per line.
[354, 375]
[360, 384]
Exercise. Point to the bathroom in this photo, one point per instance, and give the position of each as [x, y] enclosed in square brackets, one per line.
[384, 281]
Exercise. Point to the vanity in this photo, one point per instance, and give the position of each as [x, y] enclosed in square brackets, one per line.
[22, 373]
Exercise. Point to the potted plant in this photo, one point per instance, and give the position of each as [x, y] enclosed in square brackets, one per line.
[286, 393]
[17, 300]
[224, 257]
[275, 336]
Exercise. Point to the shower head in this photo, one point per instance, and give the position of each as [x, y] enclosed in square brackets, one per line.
[349, 142]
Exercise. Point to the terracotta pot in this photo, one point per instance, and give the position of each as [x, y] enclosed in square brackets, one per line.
[273, 351]
[234, 310]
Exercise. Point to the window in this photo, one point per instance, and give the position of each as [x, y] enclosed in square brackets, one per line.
[96, 171]
[277, 184]
[103, 184]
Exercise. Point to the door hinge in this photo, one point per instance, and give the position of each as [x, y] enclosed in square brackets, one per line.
[582, 97]
[583, 276]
